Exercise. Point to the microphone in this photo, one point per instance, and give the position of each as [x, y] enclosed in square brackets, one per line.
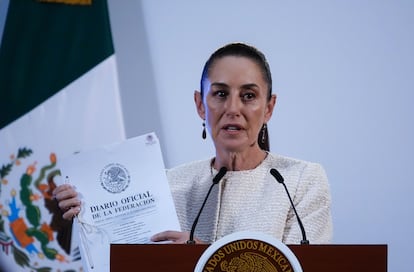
[216, 179]
[281, 180]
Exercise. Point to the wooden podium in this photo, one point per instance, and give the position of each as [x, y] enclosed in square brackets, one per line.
[321, 258]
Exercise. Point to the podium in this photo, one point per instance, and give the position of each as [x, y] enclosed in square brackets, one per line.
[182, 257]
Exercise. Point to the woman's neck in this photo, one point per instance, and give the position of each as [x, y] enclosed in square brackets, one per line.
[238, 161]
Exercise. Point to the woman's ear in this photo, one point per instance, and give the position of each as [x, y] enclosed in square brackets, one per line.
[198, 100]
[269, 107]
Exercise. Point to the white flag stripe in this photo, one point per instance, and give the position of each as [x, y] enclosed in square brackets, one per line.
[87, 113]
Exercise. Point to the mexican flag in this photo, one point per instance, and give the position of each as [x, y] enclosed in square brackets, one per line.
[59, 95]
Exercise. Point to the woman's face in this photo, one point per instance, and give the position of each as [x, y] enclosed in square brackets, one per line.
[235, 103]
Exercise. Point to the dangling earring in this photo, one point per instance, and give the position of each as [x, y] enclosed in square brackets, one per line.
[263, 133]
[204, 134]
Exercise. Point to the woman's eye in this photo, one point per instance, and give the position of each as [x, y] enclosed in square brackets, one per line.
[220, 93]
[248, 96]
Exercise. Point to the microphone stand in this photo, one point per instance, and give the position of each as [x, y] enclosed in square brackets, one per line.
[281, 180]
[216, 180]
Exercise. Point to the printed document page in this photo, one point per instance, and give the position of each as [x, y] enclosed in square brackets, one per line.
[125, 197]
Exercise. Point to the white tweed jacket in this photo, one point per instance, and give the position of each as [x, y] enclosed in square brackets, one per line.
[253, 200]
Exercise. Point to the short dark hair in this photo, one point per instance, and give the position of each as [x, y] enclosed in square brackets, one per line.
[239, 50]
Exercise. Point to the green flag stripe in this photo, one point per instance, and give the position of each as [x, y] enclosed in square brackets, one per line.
[46, 46]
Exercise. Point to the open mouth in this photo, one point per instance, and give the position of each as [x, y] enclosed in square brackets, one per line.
[232, 128]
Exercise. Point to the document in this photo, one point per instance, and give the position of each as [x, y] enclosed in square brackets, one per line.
[125, 197]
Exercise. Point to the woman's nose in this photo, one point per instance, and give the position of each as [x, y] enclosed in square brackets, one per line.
[233, 105]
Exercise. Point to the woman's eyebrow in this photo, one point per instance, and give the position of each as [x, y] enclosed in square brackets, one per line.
[244, 86]
[219, 84]
[250, 86]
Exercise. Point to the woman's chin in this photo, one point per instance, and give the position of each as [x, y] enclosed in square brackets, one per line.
[234, 147]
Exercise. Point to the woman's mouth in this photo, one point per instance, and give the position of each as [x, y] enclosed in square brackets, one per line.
[232, 127]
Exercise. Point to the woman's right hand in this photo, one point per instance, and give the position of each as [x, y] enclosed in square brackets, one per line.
[68, 201]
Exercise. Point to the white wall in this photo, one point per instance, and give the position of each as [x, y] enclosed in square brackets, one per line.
[344, 75]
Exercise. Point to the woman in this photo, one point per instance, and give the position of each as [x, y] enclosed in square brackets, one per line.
[235, 103]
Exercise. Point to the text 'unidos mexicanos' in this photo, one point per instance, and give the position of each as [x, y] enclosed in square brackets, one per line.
[129, 203]
[234, 248]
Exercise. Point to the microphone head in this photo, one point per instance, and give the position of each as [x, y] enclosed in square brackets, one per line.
[220, 175]
[277, 175]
